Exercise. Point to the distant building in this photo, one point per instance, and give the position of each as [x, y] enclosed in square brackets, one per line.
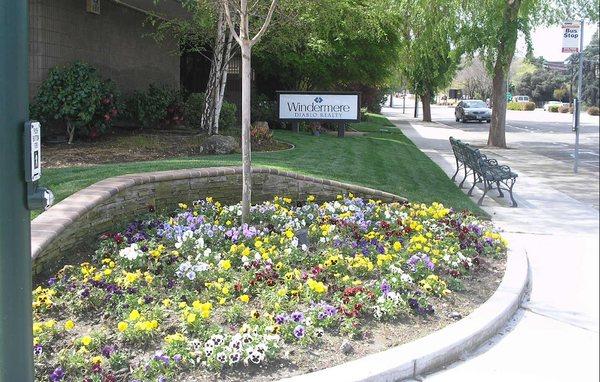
[559, 66]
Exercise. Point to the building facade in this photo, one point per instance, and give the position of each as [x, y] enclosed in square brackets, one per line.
[111, 35]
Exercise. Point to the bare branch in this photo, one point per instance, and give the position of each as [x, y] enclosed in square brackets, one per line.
[237, 38]
[266, 24]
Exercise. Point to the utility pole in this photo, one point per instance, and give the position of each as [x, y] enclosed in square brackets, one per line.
[577, 104]
[16, 342]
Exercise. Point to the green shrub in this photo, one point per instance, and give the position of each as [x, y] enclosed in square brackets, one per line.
[528, 106]
[77, 96]
[264, 109]
[513, 106]
[565, 109]
[228, 118]
[156, 107]
[553, 109]
[192, 111]
[260, 133]
[363, 114]
[194, 105]
[522, 106]
[593, 110]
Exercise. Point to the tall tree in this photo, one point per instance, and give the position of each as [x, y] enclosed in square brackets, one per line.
[429, 53]
[246, 41]
[331, 44]
[492, 30]
[205, 32]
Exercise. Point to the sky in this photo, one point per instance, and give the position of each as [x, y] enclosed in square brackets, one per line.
[547, 42]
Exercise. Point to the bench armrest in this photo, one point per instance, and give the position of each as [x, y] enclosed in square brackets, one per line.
[490, 162]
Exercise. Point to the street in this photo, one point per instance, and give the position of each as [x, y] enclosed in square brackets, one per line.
[538, 131]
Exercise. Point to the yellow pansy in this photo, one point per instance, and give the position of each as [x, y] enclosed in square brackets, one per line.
[225, 264]
[69, 325]
[122, 326]
[134, 315]
[86, 341]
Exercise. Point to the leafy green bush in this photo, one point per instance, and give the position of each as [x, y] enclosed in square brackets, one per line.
[522, 106]
[528, 106]
[564, 109]
[593, 110]
[192, 110]
[553, 109]
[77, 96]
[363, 114]
[264, 109]
[228, 118]
[194, 105]
[260, 134]
[156, 107]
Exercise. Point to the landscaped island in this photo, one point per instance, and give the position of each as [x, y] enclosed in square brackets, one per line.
[194, 293]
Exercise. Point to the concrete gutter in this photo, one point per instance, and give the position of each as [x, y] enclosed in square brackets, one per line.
[440, 348]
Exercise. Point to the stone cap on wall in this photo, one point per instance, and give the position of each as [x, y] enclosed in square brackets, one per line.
[59, 224]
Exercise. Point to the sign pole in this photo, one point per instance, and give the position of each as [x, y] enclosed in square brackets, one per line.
[577, 105]
[16, 342]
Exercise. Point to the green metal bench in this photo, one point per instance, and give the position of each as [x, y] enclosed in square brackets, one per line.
[486, 171]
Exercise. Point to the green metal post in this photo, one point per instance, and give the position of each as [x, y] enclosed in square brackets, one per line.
[16, 355]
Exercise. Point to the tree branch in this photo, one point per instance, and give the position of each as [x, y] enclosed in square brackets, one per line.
[232, 30]
[266, 24]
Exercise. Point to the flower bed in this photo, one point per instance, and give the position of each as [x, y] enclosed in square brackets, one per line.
[195, 293]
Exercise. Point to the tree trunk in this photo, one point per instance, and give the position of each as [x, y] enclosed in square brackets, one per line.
[246, 42]
[70, 131]
[426, 100]
[246, 104]
[223, 84]
[506, 50]
[210, 112]
[497, 136]
[416, 106]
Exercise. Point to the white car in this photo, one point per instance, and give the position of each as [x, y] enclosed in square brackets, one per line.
[520, 98]
[552, 103]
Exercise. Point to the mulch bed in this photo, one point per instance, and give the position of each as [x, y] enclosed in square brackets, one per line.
[133, 146]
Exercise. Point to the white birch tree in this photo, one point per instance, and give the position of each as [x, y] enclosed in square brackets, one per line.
[246, 42]
[217, 79]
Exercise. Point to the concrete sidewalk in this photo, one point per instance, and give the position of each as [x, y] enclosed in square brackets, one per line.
[554, 336]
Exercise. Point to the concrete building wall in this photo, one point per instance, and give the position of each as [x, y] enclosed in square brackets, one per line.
[62, 31]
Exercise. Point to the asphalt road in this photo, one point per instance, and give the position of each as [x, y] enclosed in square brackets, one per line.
[544, 133]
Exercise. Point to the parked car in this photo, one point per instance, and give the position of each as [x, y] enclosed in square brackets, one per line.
[520, 98]
[552, 103]
[472, 110]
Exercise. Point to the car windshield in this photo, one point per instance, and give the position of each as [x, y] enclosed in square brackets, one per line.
[474, 104]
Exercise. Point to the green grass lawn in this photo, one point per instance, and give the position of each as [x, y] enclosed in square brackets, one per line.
[385, 160]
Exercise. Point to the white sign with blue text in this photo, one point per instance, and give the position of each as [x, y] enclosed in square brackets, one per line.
[323, 106]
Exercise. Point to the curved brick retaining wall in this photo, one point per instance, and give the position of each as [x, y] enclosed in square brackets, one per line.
[113, 201]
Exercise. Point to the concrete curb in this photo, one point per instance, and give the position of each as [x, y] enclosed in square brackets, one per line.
[443, 347]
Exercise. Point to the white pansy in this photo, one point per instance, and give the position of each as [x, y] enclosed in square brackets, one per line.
[131, 253]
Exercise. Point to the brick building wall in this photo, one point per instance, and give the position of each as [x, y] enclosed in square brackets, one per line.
[62, 31]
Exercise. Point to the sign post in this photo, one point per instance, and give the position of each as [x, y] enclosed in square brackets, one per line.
[337, 107]
[573, 43]
[16, 342]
